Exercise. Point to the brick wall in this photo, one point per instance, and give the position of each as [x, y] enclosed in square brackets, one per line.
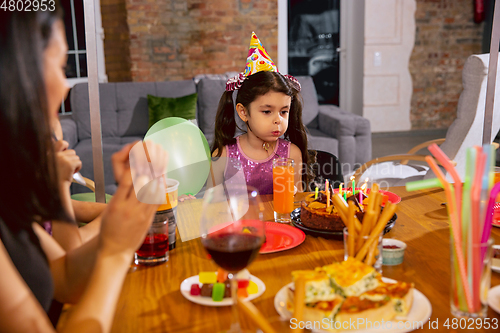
[116, 41]
[178, 39]
[445, 36]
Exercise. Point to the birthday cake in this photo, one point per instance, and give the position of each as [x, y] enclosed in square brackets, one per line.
[316, 215]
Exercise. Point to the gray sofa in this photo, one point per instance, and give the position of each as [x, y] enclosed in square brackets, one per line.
[124, 119]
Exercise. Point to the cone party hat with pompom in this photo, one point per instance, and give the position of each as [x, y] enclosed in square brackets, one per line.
[257, 61]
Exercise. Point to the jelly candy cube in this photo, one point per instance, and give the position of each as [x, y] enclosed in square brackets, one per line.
[206, 290]
[243, 284]
[207, 277]
[243, 293]
[221, 275]
[252, 288]
[195, 289]
[218, 292]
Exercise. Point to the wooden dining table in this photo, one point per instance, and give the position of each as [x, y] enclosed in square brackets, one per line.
[151, 300]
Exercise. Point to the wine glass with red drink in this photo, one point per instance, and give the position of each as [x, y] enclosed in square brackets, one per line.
[232, 231]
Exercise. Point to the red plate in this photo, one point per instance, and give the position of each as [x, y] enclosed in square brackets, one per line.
[391, 197]
[281, 237]
[496, 215]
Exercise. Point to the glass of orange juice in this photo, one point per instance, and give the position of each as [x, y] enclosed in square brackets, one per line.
[497, 175]
[283, 189]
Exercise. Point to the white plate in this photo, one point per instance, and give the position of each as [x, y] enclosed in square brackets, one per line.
[186, 288]
[494, 298]
[420, 311]
[495, 262]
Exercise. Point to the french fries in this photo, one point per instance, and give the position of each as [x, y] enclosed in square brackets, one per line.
[362, 239]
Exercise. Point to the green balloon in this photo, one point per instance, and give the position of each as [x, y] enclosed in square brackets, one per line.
[188, 151]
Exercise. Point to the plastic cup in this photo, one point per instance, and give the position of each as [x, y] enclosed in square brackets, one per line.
[168, 211]
[161, 235]
[283, 189]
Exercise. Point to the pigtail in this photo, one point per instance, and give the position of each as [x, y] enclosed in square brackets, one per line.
[297, 134]
[225, 124]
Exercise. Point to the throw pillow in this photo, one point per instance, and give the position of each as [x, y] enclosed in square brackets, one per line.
[164, 107]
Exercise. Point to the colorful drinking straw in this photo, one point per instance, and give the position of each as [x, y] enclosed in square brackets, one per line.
[423, 184]
[476, 225]
[453, 223]
[446, 163]
[489, 217]
[470, 168]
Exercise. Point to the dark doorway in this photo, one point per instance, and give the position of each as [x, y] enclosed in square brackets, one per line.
[313, 42]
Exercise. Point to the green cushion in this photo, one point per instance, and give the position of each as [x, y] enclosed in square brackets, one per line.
[164, 107]
[89, 196]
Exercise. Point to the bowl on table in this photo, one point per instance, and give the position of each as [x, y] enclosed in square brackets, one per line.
[393, 251]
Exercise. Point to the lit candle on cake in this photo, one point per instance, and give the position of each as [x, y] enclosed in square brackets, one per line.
[340, 189]
[365, 185]
[327, 191]
[316, 193]
[362, 192]
[353, 185]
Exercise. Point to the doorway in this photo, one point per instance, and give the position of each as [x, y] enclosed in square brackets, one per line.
[314, 45]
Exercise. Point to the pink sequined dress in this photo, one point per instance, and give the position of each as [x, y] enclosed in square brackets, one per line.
[257, 173]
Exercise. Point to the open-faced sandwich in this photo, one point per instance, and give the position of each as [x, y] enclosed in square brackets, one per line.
[349, 292]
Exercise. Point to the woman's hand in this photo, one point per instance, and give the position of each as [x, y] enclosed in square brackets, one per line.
[67, 161]
[126, 219]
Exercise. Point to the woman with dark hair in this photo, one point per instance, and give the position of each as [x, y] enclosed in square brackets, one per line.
[34, 268]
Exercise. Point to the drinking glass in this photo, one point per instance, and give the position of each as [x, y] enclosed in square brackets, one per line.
[479, 270]
[232, 231]
[377, 255]
[283, 189]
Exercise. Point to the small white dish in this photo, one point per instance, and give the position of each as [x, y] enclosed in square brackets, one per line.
[186, 288]
[395, 256]
[494, 298]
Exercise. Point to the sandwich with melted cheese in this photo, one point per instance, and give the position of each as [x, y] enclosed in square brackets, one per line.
[347, 291]
[321, 299]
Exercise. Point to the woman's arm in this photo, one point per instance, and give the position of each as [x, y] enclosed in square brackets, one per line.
[71, 269]
[296, 155]
[19, 309]
[90, 213]
[86, 212]
[68, 163]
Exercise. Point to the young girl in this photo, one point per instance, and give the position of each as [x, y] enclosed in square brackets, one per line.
[269, 104]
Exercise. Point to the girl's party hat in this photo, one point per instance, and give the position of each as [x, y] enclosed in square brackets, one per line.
[257, 61]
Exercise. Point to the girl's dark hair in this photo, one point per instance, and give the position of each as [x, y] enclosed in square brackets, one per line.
[30, 190]
[253, 86]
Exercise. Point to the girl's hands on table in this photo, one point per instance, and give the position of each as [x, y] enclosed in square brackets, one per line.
[186, 197]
